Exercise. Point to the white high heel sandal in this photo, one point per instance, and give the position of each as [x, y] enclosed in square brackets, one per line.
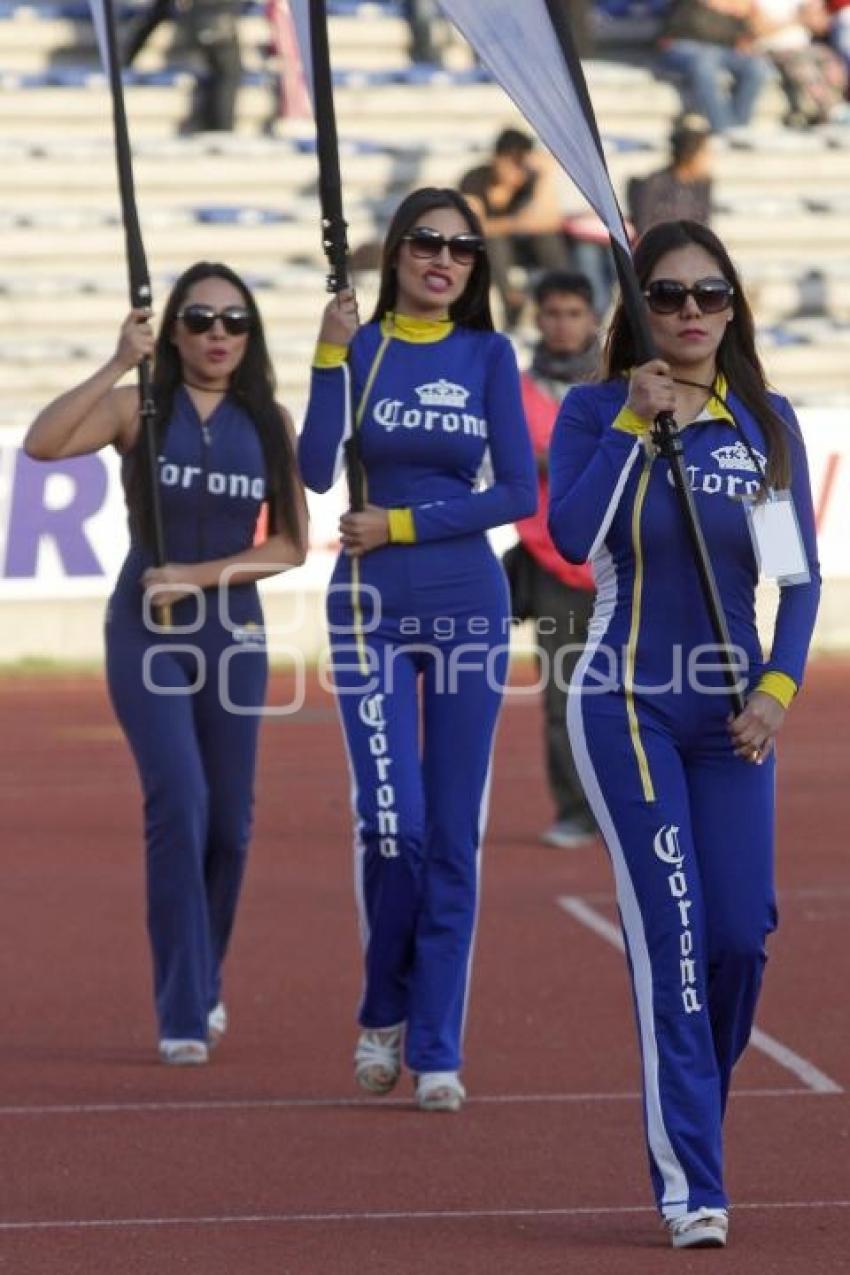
[377, 1058]
[183, 1053]
[439, 1091]
[703, 1228]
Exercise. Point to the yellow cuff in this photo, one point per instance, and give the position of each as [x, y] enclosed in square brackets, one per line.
[328, 355]
[630, 423]
[402, 526]
[779, 685]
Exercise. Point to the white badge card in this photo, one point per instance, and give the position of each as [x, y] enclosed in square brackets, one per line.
[778, 545]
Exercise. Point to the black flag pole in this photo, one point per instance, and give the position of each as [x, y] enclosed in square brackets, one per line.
[334, 225]
[531, 52]
[137, 266]
[665, 433]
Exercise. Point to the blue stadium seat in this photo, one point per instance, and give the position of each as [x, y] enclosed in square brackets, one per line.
[235, 214]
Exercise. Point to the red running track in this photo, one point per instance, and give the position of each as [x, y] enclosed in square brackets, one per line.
[269, 1162]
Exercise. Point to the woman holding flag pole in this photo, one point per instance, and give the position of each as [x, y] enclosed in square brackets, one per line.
[682, 789]
[189, 693]
[203, 446]
[418, 601]
[418, 609]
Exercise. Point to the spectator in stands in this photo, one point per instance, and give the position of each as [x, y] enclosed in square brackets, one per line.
[141, 28]
[705, 41]
[556, 594]
[578, 12]
[839, 28]
[813, 75]
[420, 15]
[517, 199]
[290, 96]
[682, 189]
[209, 29]
[589, 249]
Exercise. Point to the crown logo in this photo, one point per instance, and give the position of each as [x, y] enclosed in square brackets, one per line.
[442, 393]
[736, 456]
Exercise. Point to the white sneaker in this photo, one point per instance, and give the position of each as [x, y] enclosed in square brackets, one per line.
[566, 834]
[439, 1091]
[377, 1058]
[704, 1228]
[184, 1053]
[216, 1024]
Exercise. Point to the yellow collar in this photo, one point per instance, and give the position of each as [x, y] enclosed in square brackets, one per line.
[716, 404]
[417, 331]
[716, 407]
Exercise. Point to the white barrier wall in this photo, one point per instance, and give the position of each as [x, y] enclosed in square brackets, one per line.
[63, 536]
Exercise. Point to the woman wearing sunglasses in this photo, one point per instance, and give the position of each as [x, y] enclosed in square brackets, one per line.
[418, 609]
[189, 691]
[682, 790]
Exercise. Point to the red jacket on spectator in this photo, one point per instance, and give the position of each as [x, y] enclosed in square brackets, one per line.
[540, 412]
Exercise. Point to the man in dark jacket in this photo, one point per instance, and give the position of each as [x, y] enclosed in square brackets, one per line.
[683, 187]
[209, 29]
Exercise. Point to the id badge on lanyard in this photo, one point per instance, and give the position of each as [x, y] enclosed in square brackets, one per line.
[778, 545]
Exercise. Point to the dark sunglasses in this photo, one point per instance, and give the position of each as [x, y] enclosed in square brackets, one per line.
[425, 242]
[667, 296]
[235, 319]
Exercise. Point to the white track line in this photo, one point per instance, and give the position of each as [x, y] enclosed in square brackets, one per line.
[830, 894]
[331, 1104]
[811, 1076]
[425, 1215]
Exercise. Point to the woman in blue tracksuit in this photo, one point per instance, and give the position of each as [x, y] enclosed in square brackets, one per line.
[418, 609]
[189, 690]
[683, 791]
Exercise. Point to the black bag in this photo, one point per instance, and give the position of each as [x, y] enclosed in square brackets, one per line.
[696, 20]
[519, 568]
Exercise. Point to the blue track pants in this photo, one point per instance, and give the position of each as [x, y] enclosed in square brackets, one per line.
[694, 875]
[196, 762]
[420, 735]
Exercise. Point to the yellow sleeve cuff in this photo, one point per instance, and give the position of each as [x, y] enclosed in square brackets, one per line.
[630, 423]
[328, 355]
[779, 685]
[402, 526]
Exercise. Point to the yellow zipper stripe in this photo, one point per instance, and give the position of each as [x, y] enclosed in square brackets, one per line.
[631, 649]
[359, 639]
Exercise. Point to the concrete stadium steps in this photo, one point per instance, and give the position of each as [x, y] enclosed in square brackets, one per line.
[172, 246]
[278, 203]
[811, 239]
[805, 170]
[386, 111]
[259, 171]
[291, 300]
[31, 43]
[290, 312]
[31, 378]
[62, 284]
[28, 384]
[800, 243]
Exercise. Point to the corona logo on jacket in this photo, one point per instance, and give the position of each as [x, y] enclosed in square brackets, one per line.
[392, 413]
[736, 456]
[442, 393]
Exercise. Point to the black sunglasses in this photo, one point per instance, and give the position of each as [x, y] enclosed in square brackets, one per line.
[235, 319]
[425, 242]
[667, 296]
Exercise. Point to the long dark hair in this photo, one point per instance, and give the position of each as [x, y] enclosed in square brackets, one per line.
[736, 356]
[472, 308]
[252, 385]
